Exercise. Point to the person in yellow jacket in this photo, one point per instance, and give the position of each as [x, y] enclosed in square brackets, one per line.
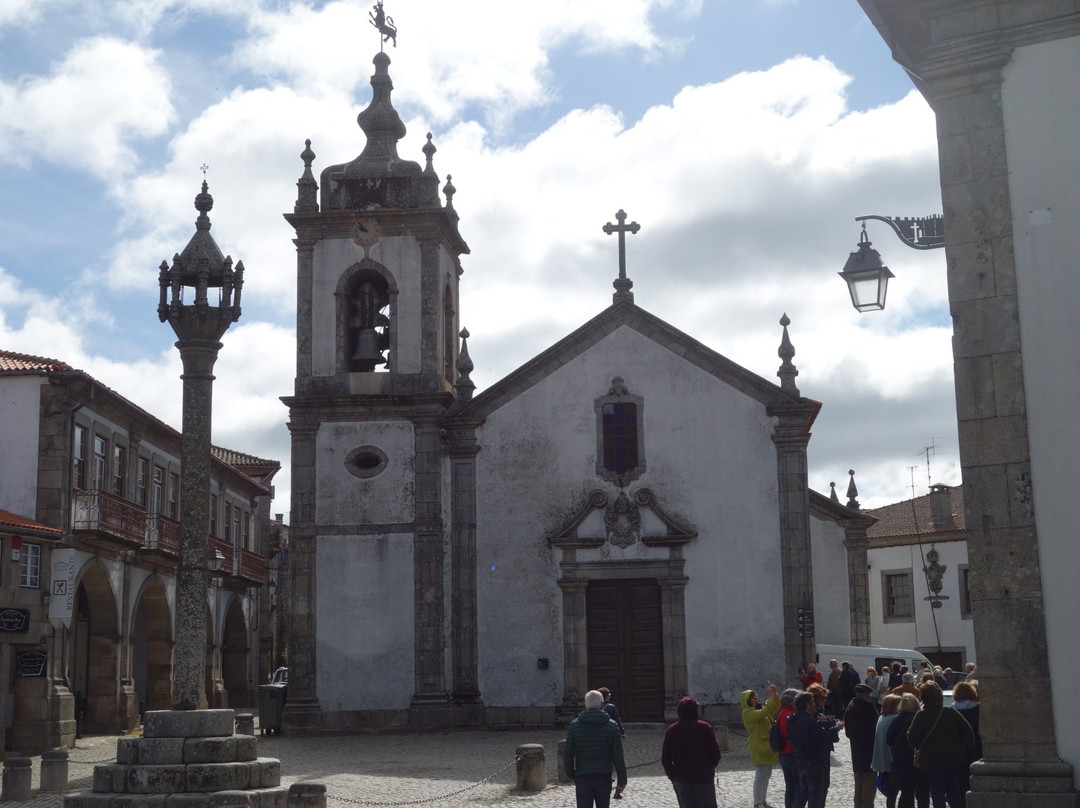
[758, 719]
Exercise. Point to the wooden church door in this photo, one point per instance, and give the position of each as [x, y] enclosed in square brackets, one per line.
[626, 645]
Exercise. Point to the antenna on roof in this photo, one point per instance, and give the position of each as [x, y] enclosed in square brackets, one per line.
[928, 451]
[911, 471]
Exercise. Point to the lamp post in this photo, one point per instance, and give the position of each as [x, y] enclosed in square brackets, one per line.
[202, 271]
[865, 274]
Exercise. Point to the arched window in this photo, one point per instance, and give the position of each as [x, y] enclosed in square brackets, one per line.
[368, 326]
[620, 439]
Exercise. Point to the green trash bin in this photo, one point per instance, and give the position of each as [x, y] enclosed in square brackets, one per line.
[271, 704]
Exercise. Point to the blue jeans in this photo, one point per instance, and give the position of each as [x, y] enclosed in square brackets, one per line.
[945, 786]
[695, 795]
[593, 789]
[793, 796]
[815, 786]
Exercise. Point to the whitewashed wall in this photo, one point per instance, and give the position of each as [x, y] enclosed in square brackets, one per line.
[1041, 108]
[364, 606]
[952, 630]
[710, 461]
[832, 601]
[20, 403]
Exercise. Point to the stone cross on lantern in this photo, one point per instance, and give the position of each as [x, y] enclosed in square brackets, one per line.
[213, 288]
[622, 284]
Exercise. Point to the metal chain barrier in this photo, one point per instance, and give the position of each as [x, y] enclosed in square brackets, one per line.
[424, 800]
[91, 762]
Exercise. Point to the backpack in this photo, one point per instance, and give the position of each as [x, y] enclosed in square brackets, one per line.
[776, 738]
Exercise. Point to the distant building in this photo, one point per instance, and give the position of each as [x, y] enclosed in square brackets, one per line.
[919, 596]
[89, 485]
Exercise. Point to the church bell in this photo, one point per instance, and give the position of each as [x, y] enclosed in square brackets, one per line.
[367, 354]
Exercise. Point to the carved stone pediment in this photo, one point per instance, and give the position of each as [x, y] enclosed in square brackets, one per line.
[623, 523]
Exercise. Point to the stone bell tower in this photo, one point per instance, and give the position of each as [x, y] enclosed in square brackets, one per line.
[376, 366]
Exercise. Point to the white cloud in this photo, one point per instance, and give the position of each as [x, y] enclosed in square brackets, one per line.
[105, 95]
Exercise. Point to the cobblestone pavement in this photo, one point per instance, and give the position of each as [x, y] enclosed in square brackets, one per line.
[445, 769]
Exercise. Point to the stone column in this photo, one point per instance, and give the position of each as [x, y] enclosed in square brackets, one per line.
[673, 617]
[858, 583]
[189, 654]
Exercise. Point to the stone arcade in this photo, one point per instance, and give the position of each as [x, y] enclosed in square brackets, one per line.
[628, 508]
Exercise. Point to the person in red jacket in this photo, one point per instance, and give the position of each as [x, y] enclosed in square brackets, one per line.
[789, 761]
[690, 755]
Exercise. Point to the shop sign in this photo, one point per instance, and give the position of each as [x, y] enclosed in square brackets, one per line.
[30, 663]
[15, 621]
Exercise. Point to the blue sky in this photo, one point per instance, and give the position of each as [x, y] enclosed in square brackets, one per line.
[743, 135]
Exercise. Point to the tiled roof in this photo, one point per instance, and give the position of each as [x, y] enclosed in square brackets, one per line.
[11, 520]
[902, 518]
[17, 362]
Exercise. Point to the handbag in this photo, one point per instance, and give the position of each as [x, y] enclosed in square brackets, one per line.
[917, 759]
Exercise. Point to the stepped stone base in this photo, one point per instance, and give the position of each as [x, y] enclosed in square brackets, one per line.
[188, 759]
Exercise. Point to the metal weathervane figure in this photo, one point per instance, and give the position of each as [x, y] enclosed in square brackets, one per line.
[384, 24]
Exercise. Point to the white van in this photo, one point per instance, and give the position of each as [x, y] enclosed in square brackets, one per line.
[862, 657]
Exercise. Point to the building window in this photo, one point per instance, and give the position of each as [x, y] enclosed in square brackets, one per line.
[898, 591]
[225, 514]
[119, 470]
[174, 496]
[965, 592]
[620, 450]
[213, 515]
[30, 566]
[247, 531]
[78, 469]
[157, 492]
[142, 474]
[238, 537]
[98, 465]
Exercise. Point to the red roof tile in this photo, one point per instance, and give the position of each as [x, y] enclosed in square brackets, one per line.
[11, 520]
[16, 362]
[913, 517]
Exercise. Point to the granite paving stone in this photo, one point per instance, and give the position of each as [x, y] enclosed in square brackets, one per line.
[443, 769]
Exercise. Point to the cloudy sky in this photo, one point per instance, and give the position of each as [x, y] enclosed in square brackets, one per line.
[743, 135]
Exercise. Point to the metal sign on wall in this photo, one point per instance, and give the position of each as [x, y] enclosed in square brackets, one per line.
[30, 663]
[14, 621]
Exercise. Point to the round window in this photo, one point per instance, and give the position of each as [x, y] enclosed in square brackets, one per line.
[366, 461]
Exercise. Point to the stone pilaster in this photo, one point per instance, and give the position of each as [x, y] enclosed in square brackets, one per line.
[791, 438]
[428, 565]
[858, 583]
[463, 450]
[575, 634]
[301, 711]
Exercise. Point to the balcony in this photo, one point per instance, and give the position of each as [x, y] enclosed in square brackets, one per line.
[252, 567]
[163, 536]
[109, 520]
[228, 566]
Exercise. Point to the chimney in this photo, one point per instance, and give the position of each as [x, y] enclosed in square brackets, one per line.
[940, 505]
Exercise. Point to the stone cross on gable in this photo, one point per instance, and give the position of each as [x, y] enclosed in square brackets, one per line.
[622, 284]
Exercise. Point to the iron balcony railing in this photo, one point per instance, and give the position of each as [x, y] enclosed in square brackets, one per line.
[105, 514]
[163, 534]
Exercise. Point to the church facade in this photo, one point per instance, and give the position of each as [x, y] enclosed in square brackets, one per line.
[628, 508]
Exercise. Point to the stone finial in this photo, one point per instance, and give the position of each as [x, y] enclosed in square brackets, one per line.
[852, 491]
[307, 200]
[429, 152]
[832, 492]
[464, 385]
[450, 190]
[786, 352]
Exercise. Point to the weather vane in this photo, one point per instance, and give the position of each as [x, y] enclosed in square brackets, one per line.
[384, 24]
[204, 168]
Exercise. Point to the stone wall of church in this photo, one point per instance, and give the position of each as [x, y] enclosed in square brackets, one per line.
[832, 601]
[364, 567]
[710, 462]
